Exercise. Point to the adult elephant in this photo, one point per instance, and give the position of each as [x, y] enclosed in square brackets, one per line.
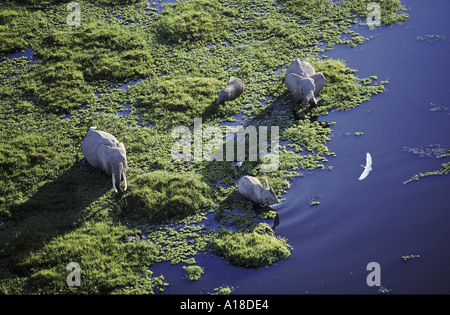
[303, 82]
[103, 151]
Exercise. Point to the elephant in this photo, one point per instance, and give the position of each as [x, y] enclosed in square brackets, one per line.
[103, 151]
[251, 188]
[303, 82]
[233, 89]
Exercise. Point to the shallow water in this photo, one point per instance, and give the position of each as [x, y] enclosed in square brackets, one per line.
[28, 53]
[379, 219]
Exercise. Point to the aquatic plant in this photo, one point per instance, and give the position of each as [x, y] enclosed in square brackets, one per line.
[73, 57]
[193, 272]
[171, 102]
[194, 20]
[444, 170]
[429, 151]
[392, 11]
[343, 89]
[108, 264]
[223, 290]
[17, 27]
[408, 257]
[250, 249]
[160, 195]
[384, 290]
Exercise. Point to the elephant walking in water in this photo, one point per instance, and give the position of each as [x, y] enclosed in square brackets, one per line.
[303, 82]
[251, 188]
[103, 151]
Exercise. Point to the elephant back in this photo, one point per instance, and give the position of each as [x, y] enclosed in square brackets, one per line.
[301, 68]
[250, 187]
[91, 143]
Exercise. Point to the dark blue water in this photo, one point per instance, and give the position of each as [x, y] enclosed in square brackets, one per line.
[28, 53]
[379, 219]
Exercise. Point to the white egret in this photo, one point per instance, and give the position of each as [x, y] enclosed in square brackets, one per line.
[367, 168]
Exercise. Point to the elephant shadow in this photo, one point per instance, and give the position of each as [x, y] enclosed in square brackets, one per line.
[283, 102]
[263, 209]
[58, 207]
[238, 202]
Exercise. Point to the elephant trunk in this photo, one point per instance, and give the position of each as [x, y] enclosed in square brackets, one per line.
[309, 99]
[117, 175]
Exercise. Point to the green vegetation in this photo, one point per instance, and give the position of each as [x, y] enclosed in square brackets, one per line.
[223, 290]
[195, 20]
[432, 150]
[75, 59]
[408, 257]
[194, 272]
[391, 10]
[108, 264]
[159, 196]
[178, 100]
[445, 170]
[17, 27]
[251, 249]
[55, 209]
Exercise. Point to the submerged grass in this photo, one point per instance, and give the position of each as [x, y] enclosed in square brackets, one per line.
[55, 209]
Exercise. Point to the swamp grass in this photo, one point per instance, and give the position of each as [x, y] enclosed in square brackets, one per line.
[55, 209]
[251, 249]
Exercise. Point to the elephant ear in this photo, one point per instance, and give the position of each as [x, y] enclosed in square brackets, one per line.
[293, 83]
[319, 82]
[124, 152]
[102, 156]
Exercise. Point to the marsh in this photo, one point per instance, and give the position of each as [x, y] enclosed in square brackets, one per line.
[170, 75]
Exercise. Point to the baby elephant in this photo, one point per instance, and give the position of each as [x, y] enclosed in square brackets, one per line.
[251, 188]
[233, 89]
[104, 152]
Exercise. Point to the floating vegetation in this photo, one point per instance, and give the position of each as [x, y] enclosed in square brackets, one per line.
[223, 290]
[437, 108]
[409, 257]
[251, 249]
[54, 208]
[17, 27]
[314, 200]
[193, 272]
[384, 290]
[195, 20]
[391, 11]
[445, 170]
[177, 101]
[432, 150]
[431, 38]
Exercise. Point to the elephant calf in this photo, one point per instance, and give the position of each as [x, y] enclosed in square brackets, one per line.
[303, 82]
[251, 188]
[104, 152]
[233, 89]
